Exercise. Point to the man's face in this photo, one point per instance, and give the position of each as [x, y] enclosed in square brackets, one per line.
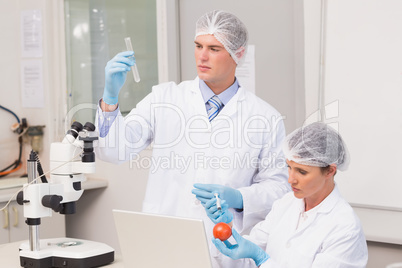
[214, 64]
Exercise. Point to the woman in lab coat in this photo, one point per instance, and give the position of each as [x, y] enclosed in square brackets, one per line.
[313, 226]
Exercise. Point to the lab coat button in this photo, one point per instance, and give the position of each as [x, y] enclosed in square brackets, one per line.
[197, 202]
[288, 245]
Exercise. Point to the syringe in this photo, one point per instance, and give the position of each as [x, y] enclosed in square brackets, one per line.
[134, 68]
[218, 201]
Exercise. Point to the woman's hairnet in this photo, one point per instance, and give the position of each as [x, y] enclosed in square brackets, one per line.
[317, 145]
[227, 29]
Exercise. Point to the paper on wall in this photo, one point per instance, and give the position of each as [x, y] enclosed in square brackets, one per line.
[31, 34]
[245, 73]
[32, 92]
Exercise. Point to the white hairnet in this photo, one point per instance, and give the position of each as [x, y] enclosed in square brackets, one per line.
[227, 29]
[317, 145]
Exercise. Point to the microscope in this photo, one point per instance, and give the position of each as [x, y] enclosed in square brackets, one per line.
[69, 161]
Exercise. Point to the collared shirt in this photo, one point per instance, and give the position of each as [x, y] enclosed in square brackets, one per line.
[224, 97]
[304, 215]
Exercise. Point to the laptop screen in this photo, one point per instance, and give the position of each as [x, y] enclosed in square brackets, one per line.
[150, 240]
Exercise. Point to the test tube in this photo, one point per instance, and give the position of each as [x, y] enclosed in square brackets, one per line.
[134, 68]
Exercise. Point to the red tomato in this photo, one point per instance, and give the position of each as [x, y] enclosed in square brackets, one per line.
[222, 231]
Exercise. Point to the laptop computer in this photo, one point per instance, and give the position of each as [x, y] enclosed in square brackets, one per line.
[150, 240]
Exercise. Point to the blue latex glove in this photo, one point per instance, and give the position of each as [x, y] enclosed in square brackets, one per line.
[205, 192]
[115, 75]
[216, 215]
[243, 249]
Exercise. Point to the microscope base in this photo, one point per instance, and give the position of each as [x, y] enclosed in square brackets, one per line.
[66, 252]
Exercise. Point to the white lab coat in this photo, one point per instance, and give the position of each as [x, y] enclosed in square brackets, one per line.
[240, 148]
[331, 237]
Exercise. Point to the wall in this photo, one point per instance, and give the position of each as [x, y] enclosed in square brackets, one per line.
[53, 81]
[10, 91]
[379, 225]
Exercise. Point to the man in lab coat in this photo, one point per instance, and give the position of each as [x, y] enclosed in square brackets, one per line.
[210, 131]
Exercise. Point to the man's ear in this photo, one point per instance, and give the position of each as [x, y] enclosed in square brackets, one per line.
[240, 52]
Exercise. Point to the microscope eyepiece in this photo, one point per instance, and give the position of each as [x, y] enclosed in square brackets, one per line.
[89, 126]
[76, 127]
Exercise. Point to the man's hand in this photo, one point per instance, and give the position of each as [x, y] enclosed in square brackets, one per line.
[115, 76]
[218, 215]
[205, 192]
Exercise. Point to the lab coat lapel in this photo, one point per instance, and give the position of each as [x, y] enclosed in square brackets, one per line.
[325, 207]
[197, 101]
[330, 201]
[232, 106]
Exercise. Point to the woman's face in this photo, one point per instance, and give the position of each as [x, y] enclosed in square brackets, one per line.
[310, 183]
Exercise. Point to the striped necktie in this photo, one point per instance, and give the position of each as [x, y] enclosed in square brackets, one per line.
[216, 106]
